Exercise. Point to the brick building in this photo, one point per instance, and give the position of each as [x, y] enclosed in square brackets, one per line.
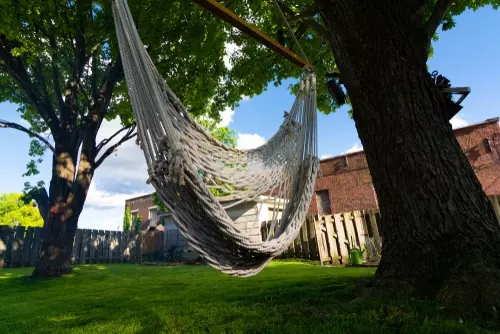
[143, 207]
[346, 185]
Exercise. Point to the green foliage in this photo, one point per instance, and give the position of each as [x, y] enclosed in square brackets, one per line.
[255, 66]
[159, 203]
[222, 134]
[127, 218]
[186, 45]
[287, 297]
[137, 223]
[14, 210]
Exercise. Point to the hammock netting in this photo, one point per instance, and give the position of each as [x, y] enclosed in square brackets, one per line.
[184, 162]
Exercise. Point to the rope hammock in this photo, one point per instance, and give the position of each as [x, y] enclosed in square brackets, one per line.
[184, 162]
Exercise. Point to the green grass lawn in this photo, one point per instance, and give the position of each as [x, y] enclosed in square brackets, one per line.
[286, 297]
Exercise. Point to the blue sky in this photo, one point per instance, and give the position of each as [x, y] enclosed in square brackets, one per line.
[468, 55]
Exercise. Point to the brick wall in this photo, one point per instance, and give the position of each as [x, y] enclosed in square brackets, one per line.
[142, 203]
[349, 184]
[348, 181]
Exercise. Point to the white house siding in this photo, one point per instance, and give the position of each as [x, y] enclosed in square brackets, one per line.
[244, 215]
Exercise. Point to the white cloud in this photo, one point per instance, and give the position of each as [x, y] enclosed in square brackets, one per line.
[245, 98]
[355, 148]
[111, 220]
[122, 176]
[326, 156]
[103, 209]
[247, 141]
[102, 199]
[458, 122]
[127, 164]
[227, 117]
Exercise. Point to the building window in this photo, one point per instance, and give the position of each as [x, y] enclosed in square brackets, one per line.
[134, 214]
[153, 213]
[323, 202]
[486, 144]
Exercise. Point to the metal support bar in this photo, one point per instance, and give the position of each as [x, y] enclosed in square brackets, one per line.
[464, 91]
[252, 31]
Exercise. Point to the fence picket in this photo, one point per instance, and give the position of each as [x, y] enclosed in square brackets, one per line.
[35, 249]
[108, 256]
[100, 246]
[75, 256]
[6, 237]
[325, 238]
[28, 243]
[374, 226]
[17, 247]
[341, 239]
[305, 241]
[311, 236]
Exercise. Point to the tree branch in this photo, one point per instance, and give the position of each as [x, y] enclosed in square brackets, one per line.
[441, 8]
[11, 125]
[307, 18]
[55, 77]
[106, 141]
[40, 196]
[93, 120]
[16, 68]
[309, 12]
[318, 27]
[130, 134]
[40, 77]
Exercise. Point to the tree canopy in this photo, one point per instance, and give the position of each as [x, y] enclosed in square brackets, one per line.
[14, 210]
[52, 49]
[254, 66]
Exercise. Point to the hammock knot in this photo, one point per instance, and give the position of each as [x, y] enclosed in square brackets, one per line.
[177, 159]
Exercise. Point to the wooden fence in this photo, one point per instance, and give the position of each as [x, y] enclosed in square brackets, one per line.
[495, 201]
[329, 239]
[20, 247]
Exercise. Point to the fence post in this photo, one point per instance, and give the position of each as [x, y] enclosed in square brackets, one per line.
[313, 238]
[374, 225]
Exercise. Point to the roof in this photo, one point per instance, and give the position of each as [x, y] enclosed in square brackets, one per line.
[469, 126]
[475, 125]
[138, 197]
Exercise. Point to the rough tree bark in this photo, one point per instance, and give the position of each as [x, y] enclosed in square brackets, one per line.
[74, 131]
[69, 186]
[440, 234]
[66, 199]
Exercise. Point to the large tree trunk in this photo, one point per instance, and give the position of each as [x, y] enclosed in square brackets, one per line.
[440, 234]
[66, 199]
[56, 248]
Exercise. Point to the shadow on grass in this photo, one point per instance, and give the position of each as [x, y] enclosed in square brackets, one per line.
[141, 299]
[21, 277]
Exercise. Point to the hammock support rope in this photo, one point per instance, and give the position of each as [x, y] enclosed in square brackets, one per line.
[184, 162]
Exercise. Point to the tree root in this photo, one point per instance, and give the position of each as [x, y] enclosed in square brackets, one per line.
[470, 293]
[51, 271]
[474, 292]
